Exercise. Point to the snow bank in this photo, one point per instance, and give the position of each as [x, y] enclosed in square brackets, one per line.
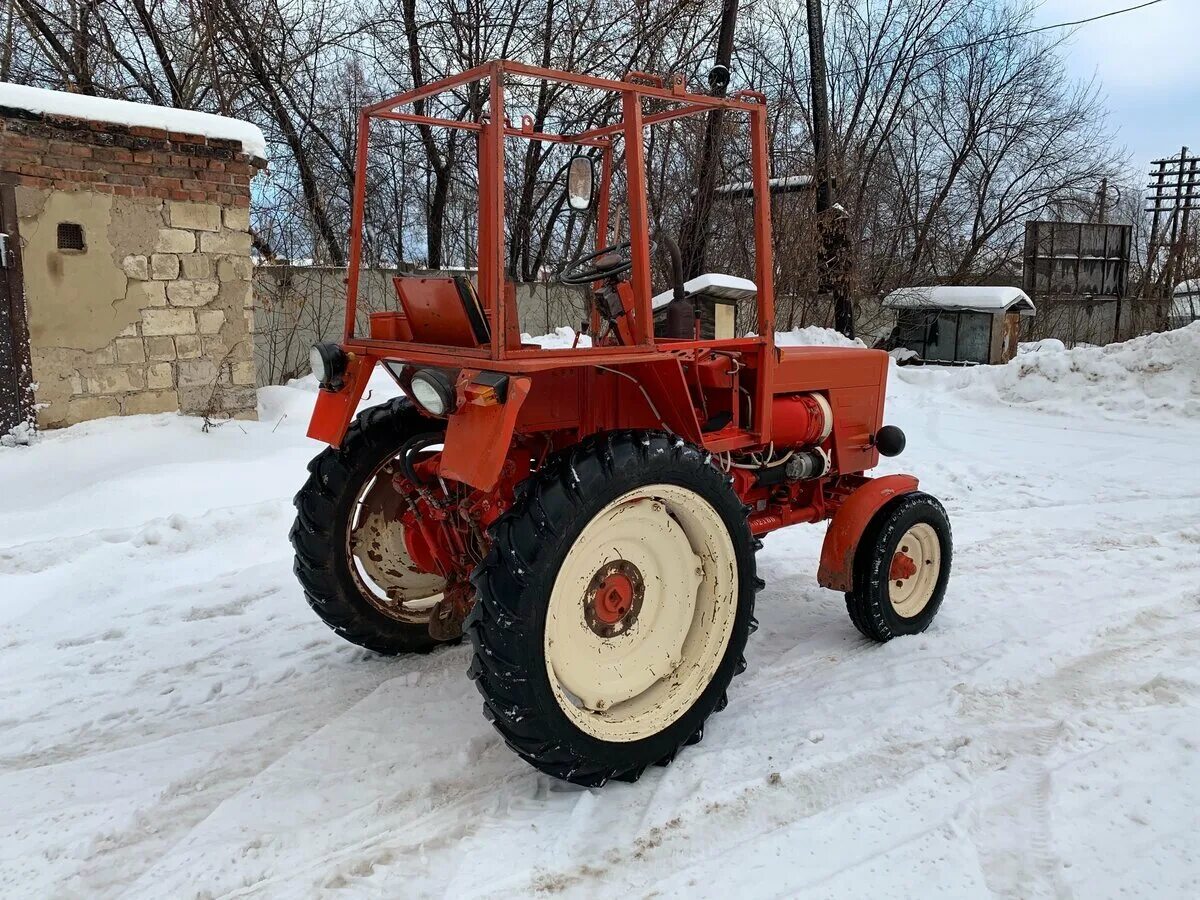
[814, 336]
[1149, 376]
[122, 112]
[562, 339]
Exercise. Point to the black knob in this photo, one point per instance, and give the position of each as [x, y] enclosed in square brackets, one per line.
[890, 440]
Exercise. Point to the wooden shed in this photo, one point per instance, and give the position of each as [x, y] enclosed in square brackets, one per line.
[959, 324]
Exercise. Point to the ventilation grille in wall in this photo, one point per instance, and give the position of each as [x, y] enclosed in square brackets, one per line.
[70, 236]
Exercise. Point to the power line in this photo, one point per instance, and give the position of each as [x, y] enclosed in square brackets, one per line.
[994, 39]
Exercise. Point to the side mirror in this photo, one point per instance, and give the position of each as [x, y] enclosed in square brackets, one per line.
[581, 182]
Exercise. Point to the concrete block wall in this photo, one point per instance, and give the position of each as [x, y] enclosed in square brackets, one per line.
[154, 314]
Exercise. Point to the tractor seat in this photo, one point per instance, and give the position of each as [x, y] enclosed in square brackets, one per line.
[715, 286]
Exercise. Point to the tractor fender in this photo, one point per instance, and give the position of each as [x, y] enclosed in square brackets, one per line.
[334, 409]
[478, 437]
[836, 570]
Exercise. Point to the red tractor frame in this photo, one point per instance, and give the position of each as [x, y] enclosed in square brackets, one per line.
[546, 501]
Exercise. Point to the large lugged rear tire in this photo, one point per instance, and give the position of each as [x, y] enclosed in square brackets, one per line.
[340, 578]
[613, 607]
[901, 568]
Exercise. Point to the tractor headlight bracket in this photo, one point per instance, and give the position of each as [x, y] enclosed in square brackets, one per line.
[328, 362]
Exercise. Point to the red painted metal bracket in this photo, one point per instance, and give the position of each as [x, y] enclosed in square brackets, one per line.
[334, 409]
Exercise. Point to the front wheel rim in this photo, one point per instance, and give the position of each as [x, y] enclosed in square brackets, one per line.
[641, 613]
[914, 570]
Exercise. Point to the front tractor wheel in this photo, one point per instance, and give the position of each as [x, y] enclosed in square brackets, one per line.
[901, 568]
[351, 555]
[614, 607]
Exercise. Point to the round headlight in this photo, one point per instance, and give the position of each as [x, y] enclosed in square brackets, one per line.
[433, 390]
[328, 363]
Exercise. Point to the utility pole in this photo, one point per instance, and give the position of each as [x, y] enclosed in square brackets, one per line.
[696, 227]
[831, 228]
[819, 89]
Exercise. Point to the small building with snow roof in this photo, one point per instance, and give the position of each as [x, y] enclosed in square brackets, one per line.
[125, 285]
[958, 324]
[1185, 304]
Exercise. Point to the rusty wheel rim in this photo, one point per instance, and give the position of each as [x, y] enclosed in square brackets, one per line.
[380, 565]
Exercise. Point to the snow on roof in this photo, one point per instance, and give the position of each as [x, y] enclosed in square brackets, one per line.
[978, 298]
[711, 284]
[122, 112]
[782, 185]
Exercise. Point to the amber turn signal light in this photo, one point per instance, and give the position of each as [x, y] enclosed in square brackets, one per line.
[488, 389]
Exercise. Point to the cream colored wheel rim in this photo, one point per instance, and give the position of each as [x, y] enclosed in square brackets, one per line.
[911, 593]
[380, 564]
[635, 682]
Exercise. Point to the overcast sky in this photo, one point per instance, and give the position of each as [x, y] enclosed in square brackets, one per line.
[1148, 67]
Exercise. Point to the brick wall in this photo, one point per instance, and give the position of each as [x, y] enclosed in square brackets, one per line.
[155, 315]
[126, 161]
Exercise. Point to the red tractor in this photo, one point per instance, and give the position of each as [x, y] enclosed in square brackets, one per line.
[588, 517]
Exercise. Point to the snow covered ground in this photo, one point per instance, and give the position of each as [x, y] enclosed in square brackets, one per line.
[175, 722]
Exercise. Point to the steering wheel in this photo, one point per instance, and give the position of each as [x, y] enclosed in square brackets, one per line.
[607, 262]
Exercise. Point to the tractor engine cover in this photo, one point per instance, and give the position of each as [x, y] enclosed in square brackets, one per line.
[800, 420]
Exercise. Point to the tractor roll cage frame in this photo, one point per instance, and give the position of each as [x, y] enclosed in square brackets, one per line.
[492, 131]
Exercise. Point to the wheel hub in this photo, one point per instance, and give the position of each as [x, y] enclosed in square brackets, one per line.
[613, 598]
[903, 567]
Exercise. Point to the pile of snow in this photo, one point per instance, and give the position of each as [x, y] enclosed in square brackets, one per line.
[1146, 377]
[122, 112]
[814, 336]
[19, 435]
[1045, 345]
[562, 339]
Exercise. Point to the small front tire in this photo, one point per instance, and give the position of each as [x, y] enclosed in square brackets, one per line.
[902, 567]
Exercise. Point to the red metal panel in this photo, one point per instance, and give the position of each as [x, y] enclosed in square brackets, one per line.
[663, 381]
[436, 312]
[478, 438]
[836, 570]
[334, 409]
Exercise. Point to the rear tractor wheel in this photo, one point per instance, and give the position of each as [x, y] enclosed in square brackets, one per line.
[613, 608]
[351, 555]
[901, 568]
